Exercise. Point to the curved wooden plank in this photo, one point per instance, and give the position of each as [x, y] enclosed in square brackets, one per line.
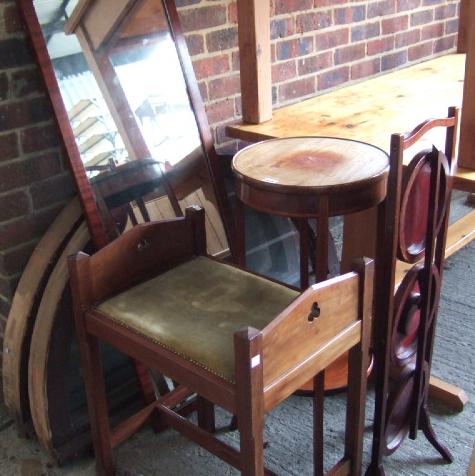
[41, 339]
[23, 311]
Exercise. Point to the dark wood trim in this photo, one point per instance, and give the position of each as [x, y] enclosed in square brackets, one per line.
[91, 211]
[206, 384]
[214, 163]
[427, 276]
[384, 279]
[250, 399]
[464, 26]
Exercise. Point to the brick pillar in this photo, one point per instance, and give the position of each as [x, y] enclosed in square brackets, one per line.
[34, 179]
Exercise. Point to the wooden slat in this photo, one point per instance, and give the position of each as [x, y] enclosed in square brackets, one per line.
[207, 385]
[284, 372]
[204, 439]
[127, 428]
[160, 209]
[41, 339]
[22, 311]
[338, 304]
[467, 127]
[320, 359]
[255, 61]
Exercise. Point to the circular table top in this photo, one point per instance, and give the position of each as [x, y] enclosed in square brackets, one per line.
[310, 164]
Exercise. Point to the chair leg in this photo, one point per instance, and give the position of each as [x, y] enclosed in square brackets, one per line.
[206, 419]
[250, 401]
[355, 407]
[97, 404]
[251, 432]
[318, 402]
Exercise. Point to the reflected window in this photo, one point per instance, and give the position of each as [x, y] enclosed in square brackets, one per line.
[100, 145]
[152, 81]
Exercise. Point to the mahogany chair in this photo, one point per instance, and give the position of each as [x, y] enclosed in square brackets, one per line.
[412, 230]
[235, 338]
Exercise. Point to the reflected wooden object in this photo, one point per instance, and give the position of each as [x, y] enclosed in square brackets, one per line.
[310, 177]
[114, 49]
[129, 182]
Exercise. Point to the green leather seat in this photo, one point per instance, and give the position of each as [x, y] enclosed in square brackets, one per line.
[194, 309]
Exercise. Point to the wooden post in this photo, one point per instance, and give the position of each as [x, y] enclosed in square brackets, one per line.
[464, 22]
[255, 62]
[467, 128]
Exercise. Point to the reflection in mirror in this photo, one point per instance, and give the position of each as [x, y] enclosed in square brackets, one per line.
[122, 84]
[159, 102]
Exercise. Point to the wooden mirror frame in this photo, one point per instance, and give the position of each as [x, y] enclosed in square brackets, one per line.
[54, 429]
[214, 162]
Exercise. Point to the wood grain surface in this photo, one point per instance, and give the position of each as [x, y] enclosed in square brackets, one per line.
[23, 310]
[41, 339]
[91, 211]
[255, 60]
[371, 110]
[394, 102]
[313, 163]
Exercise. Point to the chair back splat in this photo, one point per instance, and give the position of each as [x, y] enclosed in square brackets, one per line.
[413, 228]
[226, 336]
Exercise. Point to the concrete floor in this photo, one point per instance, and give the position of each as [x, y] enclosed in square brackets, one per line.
[288, 429]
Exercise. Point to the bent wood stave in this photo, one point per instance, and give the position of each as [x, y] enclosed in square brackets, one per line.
[23, 311]
[41, 340]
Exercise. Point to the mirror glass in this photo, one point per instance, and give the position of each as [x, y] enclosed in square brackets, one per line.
[123, 88]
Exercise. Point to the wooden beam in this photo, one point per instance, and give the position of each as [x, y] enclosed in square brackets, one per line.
[467, 128]
[450, 395]
[464, 21]
[255, 61]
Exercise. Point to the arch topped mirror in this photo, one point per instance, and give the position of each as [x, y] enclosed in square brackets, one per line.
[130, 112]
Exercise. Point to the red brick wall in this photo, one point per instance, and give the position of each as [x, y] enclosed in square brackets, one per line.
[316, 45]
[34, 179]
